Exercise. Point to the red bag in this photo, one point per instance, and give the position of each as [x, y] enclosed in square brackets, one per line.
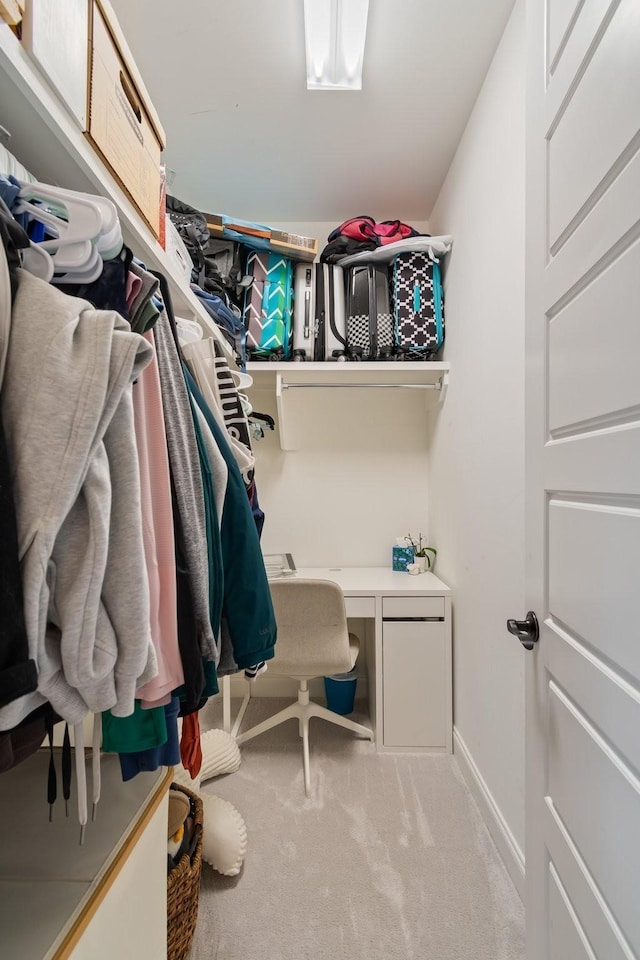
[366, 228]
[358, 228]
[391, 230]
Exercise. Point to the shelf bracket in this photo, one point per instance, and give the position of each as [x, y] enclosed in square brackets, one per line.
[444, 383]
[283, 422]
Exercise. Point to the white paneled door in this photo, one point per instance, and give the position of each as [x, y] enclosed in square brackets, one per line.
[583, 475]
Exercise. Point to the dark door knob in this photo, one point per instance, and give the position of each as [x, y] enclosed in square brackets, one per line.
[527, 631]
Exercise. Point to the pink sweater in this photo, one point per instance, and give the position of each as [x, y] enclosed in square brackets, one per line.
[159, 544]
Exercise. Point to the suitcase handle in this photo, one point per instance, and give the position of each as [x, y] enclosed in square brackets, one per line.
[332, 312]
[416, 298]
[307, 312]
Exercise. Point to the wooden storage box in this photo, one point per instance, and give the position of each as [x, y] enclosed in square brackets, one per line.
[122, 124]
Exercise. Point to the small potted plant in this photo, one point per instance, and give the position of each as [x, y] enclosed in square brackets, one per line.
[424, 557]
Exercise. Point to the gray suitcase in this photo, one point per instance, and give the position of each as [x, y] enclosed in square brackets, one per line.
[319, 331]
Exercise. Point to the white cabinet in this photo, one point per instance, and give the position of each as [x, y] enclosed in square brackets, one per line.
[114, 930]
[407, 656]
[80, 896]
[416, 673]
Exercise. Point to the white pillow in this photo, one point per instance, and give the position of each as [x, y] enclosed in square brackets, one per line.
[220, 755]
[224, 836]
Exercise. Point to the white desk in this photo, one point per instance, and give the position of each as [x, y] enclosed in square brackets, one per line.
[408, 655]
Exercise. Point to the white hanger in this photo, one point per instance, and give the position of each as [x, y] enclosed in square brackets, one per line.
[89, 271]
[37, 261]
[82, 228]
[109, 243]
[83, 216]
[109, 240]
[71, 250]
[188, 330]
[242, 380]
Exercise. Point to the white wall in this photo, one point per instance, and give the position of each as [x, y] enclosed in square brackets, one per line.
[477, 453]
[359, 478]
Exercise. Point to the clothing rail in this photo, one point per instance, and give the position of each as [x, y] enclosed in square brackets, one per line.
[422, 377]
[378, 386]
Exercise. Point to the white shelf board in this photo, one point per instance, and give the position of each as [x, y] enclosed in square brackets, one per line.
[47, 140]
[289, 379]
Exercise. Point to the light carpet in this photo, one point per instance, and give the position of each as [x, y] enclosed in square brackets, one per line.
[388, 859]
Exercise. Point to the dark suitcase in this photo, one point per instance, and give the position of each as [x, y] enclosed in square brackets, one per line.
[369, 318]
[417, 305]
[319, 331]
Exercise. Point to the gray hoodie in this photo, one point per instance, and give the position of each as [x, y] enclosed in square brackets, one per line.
[68, 415]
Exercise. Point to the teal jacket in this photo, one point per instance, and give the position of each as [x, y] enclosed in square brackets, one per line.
[246, 602]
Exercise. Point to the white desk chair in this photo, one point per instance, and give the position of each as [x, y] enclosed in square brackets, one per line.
[313, 641]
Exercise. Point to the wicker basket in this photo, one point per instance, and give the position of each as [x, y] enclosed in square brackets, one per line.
[183, 887]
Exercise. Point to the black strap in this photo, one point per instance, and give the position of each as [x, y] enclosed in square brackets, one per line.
[373, 313]
[66, 768]
[332, 309]
[263, 418]
[52, 783]
[190, 231]
[318, 346]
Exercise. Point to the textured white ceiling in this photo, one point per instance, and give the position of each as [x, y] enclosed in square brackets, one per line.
[245, 137]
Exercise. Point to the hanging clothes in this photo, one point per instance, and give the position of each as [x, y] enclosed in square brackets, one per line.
[21, 742]
[199, 663]
[109, 291]
[126, 482]
[247, 603]
[72, 454]
[145, 308]
[210, 370]
[18, 674]
[166, 754]
[214, 547]
[158, 533]
[187, 481]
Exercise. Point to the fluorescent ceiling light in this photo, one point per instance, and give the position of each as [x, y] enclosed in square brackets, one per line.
[335, 32]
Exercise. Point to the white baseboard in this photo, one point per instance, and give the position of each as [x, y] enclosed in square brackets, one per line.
[497, 826]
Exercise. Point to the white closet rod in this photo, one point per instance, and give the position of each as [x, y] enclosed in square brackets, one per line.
[378, 386]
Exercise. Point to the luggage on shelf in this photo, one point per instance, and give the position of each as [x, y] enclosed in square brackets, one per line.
[319, 331]
[417, 305]
[267, 306]
[216, 263]
[369, 318]
[305, 332]
[192, 227]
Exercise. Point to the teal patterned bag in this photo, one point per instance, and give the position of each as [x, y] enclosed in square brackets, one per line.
[267, 306]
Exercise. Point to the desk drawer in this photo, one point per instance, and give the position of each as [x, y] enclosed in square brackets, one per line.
[360, 606]
[407, 607]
